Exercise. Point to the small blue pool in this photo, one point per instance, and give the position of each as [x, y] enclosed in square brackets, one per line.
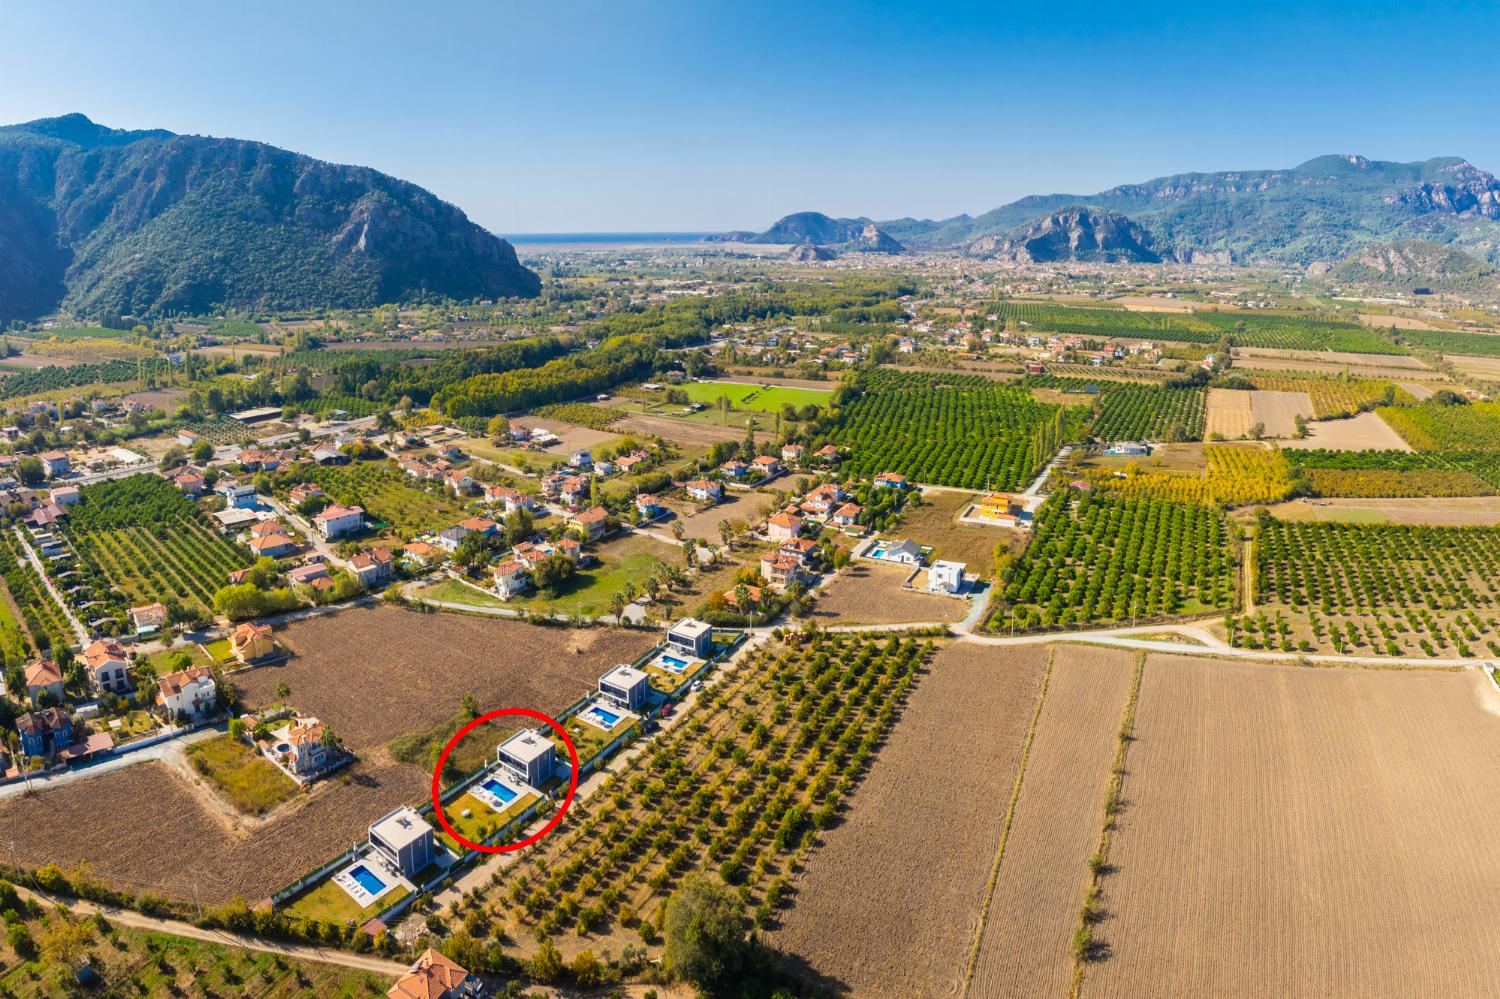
[499, 790]
[367, 880]
[608, 719]
[673, 663]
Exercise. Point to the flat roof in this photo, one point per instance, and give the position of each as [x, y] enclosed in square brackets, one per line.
[526, 746]
[944, 564]
[691, 627]
[251, 415]
[401, 828]
[625, 676]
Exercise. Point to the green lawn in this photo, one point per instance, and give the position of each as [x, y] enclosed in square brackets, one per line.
[764, 398]
[452, 591]
[250, 782]
[670, 683]
[220, 651]
[482, 821]
[590, 590]
[332, 904]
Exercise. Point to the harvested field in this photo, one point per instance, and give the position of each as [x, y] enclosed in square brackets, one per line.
[1024, 945]
[682, 431]
[1333, 357]
[1277, 412]
[1416, 390]
[1365, 432]
[864, 593]
[1229, 413]
[1382, 321]
[750, 507]
[911, 885]
[412, 670]
[410, 675]
[1318, 363]
[935, 523]
[1478, 367]
[1304, 832]
[1437, 511]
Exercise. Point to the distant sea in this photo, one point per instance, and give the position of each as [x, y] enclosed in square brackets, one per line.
[596, 238]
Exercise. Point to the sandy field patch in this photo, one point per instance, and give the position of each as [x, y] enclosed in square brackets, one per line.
[411, 670]
[1365, 432]
[1024, 946]
[750, 507]
[1152, 303]
[1335, 357]
[681, 431]
[1277, 412]
[1304, 832]
[890, 902]
[1442, 511]
[1384, 322]
[1478, 367]
[864, 593]
[1416, 390]
[935, 523]
[1316, 364]
[1228, 414]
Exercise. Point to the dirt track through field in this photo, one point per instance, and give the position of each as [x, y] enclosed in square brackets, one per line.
[1290, 831]
[1024, 949]
[890, 902]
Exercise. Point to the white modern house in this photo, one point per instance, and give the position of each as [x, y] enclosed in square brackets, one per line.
[626, 686]
[694, 637]
[529, 756]
[404, 840]
[946, 577]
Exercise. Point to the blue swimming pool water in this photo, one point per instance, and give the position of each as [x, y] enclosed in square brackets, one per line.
[367, 880]
[673, 663]
[608, 718]
[499, 790]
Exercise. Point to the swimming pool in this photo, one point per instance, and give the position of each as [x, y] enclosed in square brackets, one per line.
[672, 663]
[367, 879]
[499, 790]
[598, 716]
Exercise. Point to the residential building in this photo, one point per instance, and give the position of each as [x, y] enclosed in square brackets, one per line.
[734, 469]
[189, 481]
[945, 577]
[766, 465]
[148, 620]
[459, 482]
[511, 578]
[56, 464]
[109, 667]
[307, 754]
[403, 840]
[44, 677]
[594, 522]
[273, 545]
[433, 976]
[649, 506]
[481, 525]
[581, 459]
[420, 553]
[191, 693]
[304, 575]
[691, 636]
[304, 491]
[779, 570]
[705, 490]
[45, 732]
[791, 452]
[829, 453]
[626, 686]
[187, 438]
[848, 515]
[783, 526]
[252, 642]
[823, 499]
[449, 538]
[372, 567]
[1131, 449]
[890, 480]
[237, 495]
[65, 495]
[336, 521]
[906, 552]
[528, 755]
[800, 549]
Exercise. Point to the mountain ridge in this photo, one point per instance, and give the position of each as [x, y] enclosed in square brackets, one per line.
[101, 221]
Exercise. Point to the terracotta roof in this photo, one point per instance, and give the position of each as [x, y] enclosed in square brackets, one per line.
[480, 524]
[304, 731]
[43, 673]
[272, 542]
[432, 976]
[249, 632]
[786, 520]
[334, 511]
[173, 683]
[267, 527]
[593, 515]
[102, 652]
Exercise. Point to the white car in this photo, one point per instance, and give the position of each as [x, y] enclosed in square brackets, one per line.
[697, 685]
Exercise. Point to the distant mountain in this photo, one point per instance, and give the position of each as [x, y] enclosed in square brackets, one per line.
[1322, 210]
[822, 230]
[1075, 234]
[1410, 264]
[101, 221]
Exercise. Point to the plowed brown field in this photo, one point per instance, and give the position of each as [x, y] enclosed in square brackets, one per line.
[890, 902]
[1305, 832]
[1044, 870]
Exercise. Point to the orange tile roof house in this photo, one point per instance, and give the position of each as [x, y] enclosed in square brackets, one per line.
[784, 527]
[44, 677]
[594, 520]
[109, 666]
[191, 692]
[433, 976]
[148, 619]
[273, 545]
[335, 521]
[252, 642]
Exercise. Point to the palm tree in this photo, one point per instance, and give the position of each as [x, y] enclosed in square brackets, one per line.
[617, 604]
[726, 533]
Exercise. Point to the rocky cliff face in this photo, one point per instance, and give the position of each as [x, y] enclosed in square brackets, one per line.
[1463, 189]
[102, 221]
[872, 240]
[1408, 264]
[1074, 234]
[805, 253]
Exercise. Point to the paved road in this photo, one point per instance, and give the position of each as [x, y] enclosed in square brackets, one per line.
[45, 782]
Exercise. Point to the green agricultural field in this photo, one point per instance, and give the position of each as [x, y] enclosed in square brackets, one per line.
[139, 541]
[385, 493]
[760, 398]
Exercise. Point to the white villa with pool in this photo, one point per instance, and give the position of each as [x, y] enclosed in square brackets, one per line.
[529, 756]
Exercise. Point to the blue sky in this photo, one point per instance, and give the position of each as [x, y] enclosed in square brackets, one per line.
[574, 115]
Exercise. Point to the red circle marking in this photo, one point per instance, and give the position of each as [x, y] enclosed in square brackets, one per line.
[437, 803]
